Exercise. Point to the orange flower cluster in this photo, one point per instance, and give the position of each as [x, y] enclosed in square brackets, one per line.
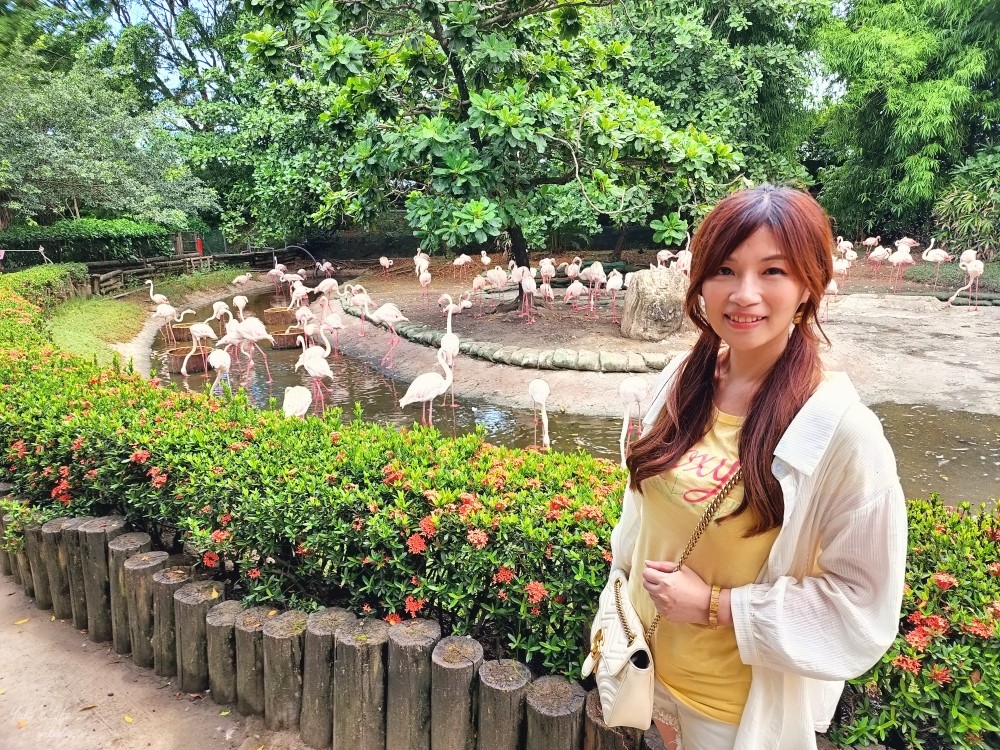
[478, 538]
[504, 575]
[536, 591]
[413, 605]
[427, 526]
[61, 492]
[211, 559]
[393, 619]
[907, 663]
[979, 629]
[944, 581]
[140, 456]
[19, 449]
[416, 544]
[940, 674]
[392, 474]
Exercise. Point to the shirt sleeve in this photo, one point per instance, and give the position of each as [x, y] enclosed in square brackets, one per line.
[838, 622]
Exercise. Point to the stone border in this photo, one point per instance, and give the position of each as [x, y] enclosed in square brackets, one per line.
[547, 359]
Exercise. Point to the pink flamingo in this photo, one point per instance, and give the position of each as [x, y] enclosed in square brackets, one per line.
[199, 331]
[842, 267]
[220, 361]
[936, 255]
[425, 281]
[386, 264]
[901, 258]
[252, 331]
[479, 287]
[965, 259]
[878, 256]
[614, 285]
[663, 258]
[572, 270]
[243, 278]
[528, 287]
[538, 392]
[843, 245]
[632, 391]
[450, 345]
[975, 270]
[683, 262]
[871, 242]
[573, 292]
[484, 259]
[157, 299]
[388, 315]
[427, 387]
[240, 302]
[313, 361]
[831, 288]
[361, 300]
[297, 401]
[169, 315]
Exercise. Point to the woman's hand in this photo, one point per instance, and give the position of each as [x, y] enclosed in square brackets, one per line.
[679, 595]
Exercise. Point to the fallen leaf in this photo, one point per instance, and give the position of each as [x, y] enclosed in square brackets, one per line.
[88, 708]
[272, 613]
[21, 622]
[260, 748]
[224, 713]
[52, 618]
[21, 724]
[3, 691]
[215, 593]
[128, 719]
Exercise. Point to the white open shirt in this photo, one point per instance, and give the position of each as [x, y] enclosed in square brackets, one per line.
[826, 605]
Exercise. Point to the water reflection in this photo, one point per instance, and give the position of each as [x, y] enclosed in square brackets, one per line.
[955, 453]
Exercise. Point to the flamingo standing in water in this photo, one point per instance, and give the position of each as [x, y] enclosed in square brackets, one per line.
[297, 401]
[538, 392]
[199, 331]
[359, 298]
[450, 346]
[157, 299]
[220, 361]
[240, 302]
[313, 361]
[632, 391]
[252, 331]
[388, 315]
[169, 315]
[428, 387]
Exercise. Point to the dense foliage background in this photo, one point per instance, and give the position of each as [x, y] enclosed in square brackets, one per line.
[531, 124]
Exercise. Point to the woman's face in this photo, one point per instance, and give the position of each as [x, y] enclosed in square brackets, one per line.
[752, 298]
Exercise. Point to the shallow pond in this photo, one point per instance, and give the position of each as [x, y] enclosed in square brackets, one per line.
[955, 453]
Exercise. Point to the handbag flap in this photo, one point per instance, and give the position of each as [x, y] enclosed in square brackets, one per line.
[615, 649]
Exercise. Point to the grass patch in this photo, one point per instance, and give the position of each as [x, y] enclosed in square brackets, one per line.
[178, 287]
[87, 327]
[952, 277]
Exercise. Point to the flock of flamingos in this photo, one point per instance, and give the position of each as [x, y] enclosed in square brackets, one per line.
[243, 333]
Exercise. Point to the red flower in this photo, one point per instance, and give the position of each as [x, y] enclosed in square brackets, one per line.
[501, 594]
[226, 518]
[159, 480]
[77, 444]
[589, 538]
[536, 611]
[301, 550]
[944, 581]
[140, 456]
[366, 608]
[477, 538]
[940, 674]
[90, 474]
[979, 628]
[908, 663]
[416, 544]
[253, 573]
[427, 527]
[413, 606]
[607, 556]
[504, 575]
[536, 592]
[219, 536]
[210, 559]
[918, 638]
[393, 619]
[994, 568]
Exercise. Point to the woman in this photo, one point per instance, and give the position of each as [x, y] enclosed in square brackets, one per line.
[797, 583]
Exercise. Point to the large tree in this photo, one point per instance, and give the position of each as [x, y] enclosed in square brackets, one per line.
[920, 96]
[479, 119]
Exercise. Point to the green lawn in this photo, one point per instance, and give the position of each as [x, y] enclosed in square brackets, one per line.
[87, 326]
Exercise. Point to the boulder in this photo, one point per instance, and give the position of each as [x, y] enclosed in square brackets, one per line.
[654, 305]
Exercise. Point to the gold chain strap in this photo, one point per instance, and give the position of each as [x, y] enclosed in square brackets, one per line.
[710, 511]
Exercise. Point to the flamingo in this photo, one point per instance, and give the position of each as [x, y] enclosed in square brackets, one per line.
[388, 315]
[220, 361]
[538, 392]
[427, 387]
[297, 401]
[831, 288]
[572, 270]
[632, 391]
[450, 345]
[975, 270]
[871, 242]
[458, 265]
[313, 351]
[169, 315]
[313, 361]
[479, 287]
[901, 258]
[663, 258]
[425, 281]
[157, 299]
[240, 302]
[545, 289]
[878, 256]
[936, 255]
[573, 292]
[326, 286]
[843, 245]
[683, 262]
[966, 258]
[361, 300]
[528, 287]
[614, 284]
[386, 264]
[484, 259]
[242, 279]
[842, 267]
[199, 331]
[252, 331]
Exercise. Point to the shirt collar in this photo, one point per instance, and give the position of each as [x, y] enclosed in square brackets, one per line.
[810, 432]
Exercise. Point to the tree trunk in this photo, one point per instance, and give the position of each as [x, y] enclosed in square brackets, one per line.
[616, 254]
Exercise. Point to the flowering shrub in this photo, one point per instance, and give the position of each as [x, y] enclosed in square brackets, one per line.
[506, 545]
[939, 684]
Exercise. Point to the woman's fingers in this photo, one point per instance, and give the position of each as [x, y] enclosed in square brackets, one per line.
[664, 566]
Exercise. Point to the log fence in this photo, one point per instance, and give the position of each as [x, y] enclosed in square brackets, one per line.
[340, 681]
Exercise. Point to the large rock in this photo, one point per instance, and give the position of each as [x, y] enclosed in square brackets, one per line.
[654, 305]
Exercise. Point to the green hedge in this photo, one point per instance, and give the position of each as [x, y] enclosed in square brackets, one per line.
[86, 240]
[507, 545]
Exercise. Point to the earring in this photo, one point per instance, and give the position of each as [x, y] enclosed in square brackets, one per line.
[797, 319]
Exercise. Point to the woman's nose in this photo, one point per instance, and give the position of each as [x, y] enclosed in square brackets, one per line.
[747, 290]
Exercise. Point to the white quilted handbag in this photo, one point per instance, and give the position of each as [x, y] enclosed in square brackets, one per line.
[620, 658]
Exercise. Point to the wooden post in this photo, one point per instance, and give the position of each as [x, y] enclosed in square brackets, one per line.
[165, 583]
[15, 567]
[39, 575]
[222, 650]
[95, 535]
[56, 566]
[71, 547]
[359, 702]
[454, 665]
[283, 669]
[249, 632]
[139, 570]
[503, 687]
[408, 711]
[316, 719]
[25, 572]
[191, 604]
[599, 736]
[119, 550]
[6, 560]
[555, 714]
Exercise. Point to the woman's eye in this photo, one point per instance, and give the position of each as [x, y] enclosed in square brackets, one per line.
[725, 271]
[775, 271]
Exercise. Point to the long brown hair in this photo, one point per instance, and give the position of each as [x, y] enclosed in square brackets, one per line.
[802, 230]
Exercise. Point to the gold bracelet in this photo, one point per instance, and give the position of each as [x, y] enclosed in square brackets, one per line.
[713, 608]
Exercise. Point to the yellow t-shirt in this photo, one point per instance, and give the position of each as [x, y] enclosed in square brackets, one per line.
[700, 667]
